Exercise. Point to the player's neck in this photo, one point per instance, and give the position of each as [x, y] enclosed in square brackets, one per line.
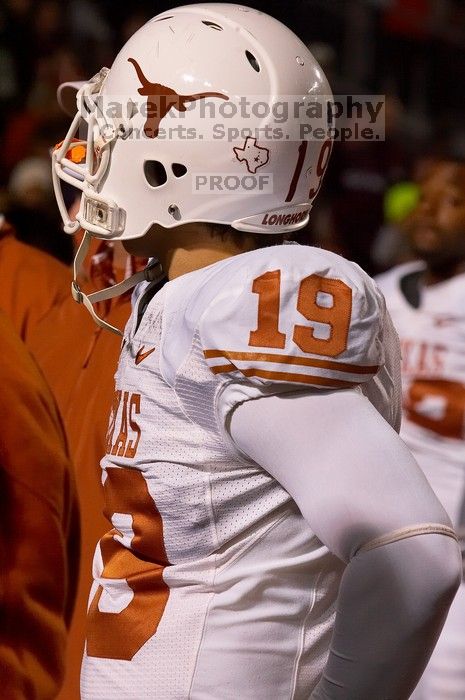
[187, 248]
[183, 260]
[441, 273]
[198, 248]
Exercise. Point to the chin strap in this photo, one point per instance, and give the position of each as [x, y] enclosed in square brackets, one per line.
[151, 273]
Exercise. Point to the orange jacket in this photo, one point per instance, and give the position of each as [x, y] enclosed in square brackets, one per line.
[39, 526]
[80, 364]
[31, 282]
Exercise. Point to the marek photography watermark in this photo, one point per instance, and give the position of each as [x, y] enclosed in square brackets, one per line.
[235, 118]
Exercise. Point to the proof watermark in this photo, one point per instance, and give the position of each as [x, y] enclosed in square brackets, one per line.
[220, 117]
[231, 183]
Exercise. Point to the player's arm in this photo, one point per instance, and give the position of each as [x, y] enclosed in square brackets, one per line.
[364, 496]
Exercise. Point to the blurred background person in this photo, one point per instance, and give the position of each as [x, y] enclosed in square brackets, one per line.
[40, 529]
[31, 282]
[80, 365]
[426, 299]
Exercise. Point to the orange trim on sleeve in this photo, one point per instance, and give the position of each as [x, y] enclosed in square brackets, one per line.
[220, 369]
[298, 378]
[285, 377]
[291, 360]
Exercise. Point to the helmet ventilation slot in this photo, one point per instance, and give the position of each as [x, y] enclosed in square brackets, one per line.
[179, 170]
[155, 173]
[253, 61]
[162, 19]
[212, 25]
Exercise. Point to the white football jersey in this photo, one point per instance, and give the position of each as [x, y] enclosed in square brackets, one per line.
[211, 585]
[433, 375]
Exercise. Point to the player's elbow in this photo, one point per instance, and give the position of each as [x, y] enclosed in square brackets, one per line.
[422, 574]
[438, 556]
[450, 570]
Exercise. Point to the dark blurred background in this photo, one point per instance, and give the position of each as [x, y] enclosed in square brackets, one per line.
[413, 51]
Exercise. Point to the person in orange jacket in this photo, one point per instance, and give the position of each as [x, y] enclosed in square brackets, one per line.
[40, 529]
[80, 364]
[31, 282]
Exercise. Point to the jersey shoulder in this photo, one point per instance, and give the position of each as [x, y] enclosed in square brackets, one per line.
[286, 314]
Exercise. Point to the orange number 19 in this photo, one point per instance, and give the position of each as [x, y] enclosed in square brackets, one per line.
[320, 300]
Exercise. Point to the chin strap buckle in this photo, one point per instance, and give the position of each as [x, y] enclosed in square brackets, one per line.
[76, 292]
[153, 271]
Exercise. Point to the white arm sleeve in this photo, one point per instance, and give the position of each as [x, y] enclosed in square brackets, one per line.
[358, 487]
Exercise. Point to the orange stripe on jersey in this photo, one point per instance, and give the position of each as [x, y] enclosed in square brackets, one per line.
[287, 377]
[298, 378]
[291, 360]
[219, 369]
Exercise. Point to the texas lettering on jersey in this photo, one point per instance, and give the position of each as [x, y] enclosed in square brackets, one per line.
[124, 410]
[422, 358]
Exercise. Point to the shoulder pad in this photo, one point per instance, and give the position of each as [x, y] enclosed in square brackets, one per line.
[291, 315]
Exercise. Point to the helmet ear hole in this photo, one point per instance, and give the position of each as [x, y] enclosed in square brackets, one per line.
[178, 169]
[253, 61]
[155, 173]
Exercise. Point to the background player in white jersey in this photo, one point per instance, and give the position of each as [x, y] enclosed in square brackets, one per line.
[248, 479]
[427, 303]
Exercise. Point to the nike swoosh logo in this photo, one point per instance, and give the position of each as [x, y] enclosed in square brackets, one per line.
[141, 355]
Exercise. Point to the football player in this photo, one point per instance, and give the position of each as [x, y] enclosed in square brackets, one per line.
[427, 302]
[249, 481]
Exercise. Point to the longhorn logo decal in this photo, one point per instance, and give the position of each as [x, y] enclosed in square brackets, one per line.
[160, 99]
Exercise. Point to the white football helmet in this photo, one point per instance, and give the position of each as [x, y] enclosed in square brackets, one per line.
[175, 72]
